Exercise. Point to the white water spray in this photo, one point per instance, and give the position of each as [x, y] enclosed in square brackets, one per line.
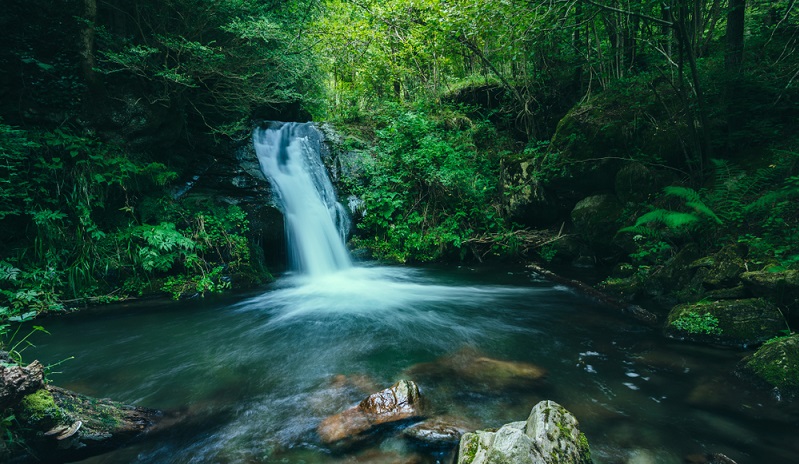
[290, 159]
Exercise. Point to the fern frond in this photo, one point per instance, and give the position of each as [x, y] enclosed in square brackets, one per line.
[675, 220]
[702, 208]
[686, 193]
[652, 216]
[670, 219]
[769, 199]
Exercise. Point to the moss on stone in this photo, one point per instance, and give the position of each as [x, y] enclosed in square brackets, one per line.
[468, 448]
[585, 449]
[776, 363]
[740, 322]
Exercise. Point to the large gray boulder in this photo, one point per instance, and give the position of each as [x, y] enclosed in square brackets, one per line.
[551, 435]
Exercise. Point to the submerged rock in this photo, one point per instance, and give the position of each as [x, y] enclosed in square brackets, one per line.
[400, 402]
[776, 363]
[728, 322]
[471, 370]
[550, 435]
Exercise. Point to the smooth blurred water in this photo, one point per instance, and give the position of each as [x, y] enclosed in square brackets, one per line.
[255, 374]
[316, 222]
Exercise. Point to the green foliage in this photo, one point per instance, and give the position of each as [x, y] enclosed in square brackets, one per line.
[649, 224]
[429, 188]
[79, 219]
[650, 251]
[15, 347]
[219, 60]
[695, 323]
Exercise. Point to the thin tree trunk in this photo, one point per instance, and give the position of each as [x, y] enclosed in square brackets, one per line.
[87, 36]
[735, 35]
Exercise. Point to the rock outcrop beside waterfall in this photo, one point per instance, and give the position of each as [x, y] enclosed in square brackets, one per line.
[550, 435]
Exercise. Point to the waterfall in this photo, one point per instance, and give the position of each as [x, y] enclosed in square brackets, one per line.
[316, 224]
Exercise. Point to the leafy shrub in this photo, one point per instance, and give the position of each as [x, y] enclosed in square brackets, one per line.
[428, 187]
[79, 221]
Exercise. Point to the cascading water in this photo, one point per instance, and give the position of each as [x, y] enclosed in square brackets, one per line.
[315, 221]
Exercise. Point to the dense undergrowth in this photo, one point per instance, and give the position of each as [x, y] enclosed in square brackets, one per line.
[84, 221]
[430, 182]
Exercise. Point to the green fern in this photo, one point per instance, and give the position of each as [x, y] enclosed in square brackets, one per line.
[670, 219]
[733, 187]
[765, 203]
[694, 201]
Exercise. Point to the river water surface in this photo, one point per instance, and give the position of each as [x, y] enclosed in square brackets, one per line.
[251, 376]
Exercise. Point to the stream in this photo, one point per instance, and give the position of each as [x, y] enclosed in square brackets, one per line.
[254, 374]
[247, 378]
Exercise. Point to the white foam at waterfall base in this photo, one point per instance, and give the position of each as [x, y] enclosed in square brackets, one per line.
[371, 290]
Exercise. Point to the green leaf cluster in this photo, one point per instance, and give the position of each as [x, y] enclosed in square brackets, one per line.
[429, 188]
[696, 323]
[220, 61]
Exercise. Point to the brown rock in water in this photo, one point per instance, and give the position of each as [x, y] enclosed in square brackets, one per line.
[469, 367]
[400, 402]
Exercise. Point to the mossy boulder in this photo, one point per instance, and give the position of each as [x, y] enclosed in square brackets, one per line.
[727, 322]
[781, 287]
[597, 218]
[595, 138]
[776, 363]
[625, 288]
[527, 201]
[550, 435]
[662, 282]
[636, 183]
[721, 269]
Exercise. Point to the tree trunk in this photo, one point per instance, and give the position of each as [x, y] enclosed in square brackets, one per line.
[735, 35]
[87, 35]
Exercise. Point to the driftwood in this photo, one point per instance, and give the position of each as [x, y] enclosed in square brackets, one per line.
[56, 425]
[633, 310]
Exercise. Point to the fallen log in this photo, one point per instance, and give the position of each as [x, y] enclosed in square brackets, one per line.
[52, 424]
[635, 311]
